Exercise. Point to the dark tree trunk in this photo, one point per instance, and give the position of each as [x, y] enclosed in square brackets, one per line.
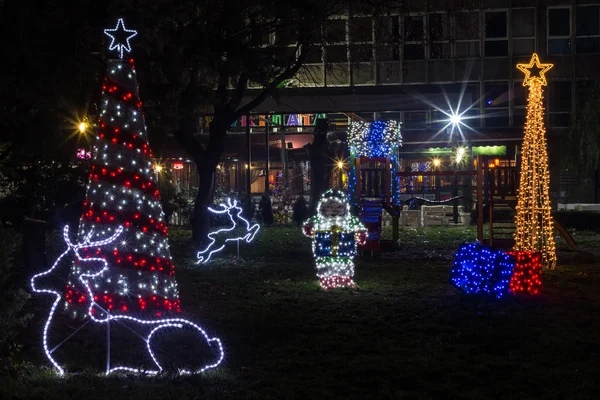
[201, 218]
[320, 153]
[34, 245]
[207, 167]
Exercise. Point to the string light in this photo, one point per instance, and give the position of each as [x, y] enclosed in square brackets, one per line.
[89, 297]
[205, 255]
[335, 233]
[527, 275]
[481, 269]
[534, 225]
[377, 139]
[115, 44]
[123, 191]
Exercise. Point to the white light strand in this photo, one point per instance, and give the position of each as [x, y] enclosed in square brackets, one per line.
[334, 240]
[115, 44]
[160, 323]
[251, 231]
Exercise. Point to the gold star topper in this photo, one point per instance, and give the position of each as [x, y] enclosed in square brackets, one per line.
[535, 65]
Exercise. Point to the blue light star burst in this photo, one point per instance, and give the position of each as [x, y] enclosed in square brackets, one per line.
[115, 43]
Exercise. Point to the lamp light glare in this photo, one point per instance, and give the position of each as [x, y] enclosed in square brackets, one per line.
[460, 153]
[82, 127]
[455, 119]
[436, 162]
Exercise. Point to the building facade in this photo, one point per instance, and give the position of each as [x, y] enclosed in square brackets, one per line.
[432, 59]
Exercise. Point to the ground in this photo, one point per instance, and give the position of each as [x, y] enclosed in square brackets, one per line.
[405, 332]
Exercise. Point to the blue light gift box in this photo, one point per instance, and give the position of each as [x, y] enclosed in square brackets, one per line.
[482, 269]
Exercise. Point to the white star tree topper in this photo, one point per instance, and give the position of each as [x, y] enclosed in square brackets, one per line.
[117, 44]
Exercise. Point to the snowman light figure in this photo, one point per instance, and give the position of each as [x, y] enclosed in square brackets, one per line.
[335, 234]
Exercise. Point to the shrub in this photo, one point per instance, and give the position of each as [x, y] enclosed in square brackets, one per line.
[578, 220]
[13, 298]
[300, 210]
[248, 209]
[266, 209]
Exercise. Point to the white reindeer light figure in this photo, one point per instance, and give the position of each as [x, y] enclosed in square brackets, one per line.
[218, 239]
[154, 324]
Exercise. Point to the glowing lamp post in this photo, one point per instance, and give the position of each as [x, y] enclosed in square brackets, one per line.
[455, 121]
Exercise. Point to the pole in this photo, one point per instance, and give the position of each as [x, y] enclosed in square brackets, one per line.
[266, 158]
[284, 174]
[480, 199]
[455, 185]
[455, 202]
[238, 248]
[248, 170]
[107, 342]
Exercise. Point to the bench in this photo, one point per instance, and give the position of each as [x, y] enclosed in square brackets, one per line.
[436, 215]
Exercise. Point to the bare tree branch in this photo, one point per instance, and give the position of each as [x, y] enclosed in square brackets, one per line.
[240, 88]
[271, 87]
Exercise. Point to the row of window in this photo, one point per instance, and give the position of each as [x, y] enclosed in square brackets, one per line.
[496, 109]
[586, 33]
[463, 34]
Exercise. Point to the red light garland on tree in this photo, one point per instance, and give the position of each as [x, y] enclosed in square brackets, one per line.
[123, 192]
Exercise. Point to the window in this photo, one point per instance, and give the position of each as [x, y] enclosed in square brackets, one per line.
[496, 34]
[560, 103]
[519, 102]
[467, 34]
[337, 54]
[584, 90]
[387, 38]
[361, 30]
[519, 94]
[415, 119]
[336, 50]
[559, 30]
[336, 30]
[523, 31]
[496, 103]
[439, 36]
[361, 39]
[587, 29]
[414, 34]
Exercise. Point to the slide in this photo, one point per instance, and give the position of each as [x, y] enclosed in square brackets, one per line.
[565, 234]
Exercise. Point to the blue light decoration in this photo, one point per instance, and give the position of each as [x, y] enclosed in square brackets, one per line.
[352, 182]
[116, 44]
[481, 269]
[373, 140]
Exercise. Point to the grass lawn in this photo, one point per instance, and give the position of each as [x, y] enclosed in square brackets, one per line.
[404, 333]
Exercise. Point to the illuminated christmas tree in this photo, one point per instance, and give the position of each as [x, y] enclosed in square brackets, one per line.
[122, 191]
[534, 224]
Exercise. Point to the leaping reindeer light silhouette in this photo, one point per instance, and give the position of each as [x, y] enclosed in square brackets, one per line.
[155, 324]
[234, 212]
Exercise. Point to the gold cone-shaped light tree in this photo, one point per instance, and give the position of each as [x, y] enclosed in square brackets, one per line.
[534, 224]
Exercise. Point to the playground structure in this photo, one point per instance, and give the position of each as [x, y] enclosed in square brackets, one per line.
[372, 184]
[483, 187]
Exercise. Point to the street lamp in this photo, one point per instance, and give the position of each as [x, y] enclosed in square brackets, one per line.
[455, 121]
[82, 127]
